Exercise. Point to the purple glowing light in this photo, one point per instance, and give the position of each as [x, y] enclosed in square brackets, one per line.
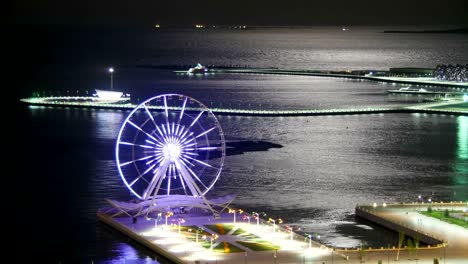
[157, 148]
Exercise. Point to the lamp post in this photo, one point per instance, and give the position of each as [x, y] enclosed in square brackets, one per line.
[111, 71]
[274, 223]
[213, 237]
[333, 250]
[388, 253]
[233, 211]
[258, 219]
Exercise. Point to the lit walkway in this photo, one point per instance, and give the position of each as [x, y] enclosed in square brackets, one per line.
[408, 216]
[90, 102]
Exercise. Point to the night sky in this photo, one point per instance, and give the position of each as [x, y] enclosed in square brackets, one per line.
[290, 12]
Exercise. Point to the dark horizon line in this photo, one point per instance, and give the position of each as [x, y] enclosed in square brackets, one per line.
[210, 25]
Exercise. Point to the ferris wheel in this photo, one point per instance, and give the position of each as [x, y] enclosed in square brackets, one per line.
[170, 145]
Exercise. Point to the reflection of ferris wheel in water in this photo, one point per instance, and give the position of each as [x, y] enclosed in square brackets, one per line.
[170, 144]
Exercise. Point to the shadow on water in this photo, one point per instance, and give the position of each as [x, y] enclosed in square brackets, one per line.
[241, 147]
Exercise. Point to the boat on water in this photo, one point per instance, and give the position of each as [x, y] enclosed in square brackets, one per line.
[410, 90]
[110, 96]
[198, 69]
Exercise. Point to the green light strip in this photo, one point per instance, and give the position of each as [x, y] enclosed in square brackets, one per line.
[462, 137]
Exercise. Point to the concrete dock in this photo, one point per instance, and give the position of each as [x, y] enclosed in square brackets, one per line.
[445, 242]
[177, 245]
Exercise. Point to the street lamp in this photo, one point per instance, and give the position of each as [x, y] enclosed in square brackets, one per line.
[274, 223]
[258, 218]
[111, 71]
[233, 211]
[246, 217]
[213, 237]
[168, 214]
[157, 220]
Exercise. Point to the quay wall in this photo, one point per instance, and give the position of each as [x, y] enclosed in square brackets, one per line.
[111, 222]
[423, 237]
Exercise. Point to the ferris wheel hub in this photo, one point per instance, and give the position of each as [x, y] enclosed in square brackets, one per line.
[172, 151]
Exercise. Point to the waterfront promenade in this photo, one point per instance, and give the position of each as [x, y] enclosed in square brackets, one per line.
[406, 217]
[184, 247]
[180, 246]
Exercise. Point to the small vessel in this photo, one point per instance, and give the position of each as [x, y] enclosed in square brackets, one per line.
[108, 95]
[198, 69]
[408, 89]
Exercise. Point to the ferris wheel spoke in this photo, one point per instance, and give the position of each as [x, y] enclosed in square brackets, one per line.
[203, 148]
[139, 128]
[190, 153]
[187, 140]
[129, 162]
[177, 130]
[131, 144]
[169, 185]
[141, 175]
[150, 115]
[180, 132]
[206, 132]
[201, 162]
[183, 138]
[194, 174]
[149, 141]
[165, 108]
[164, 131]
[182, 111]
[168, 129]
[159, 131]
[196, 119]
[183, 184]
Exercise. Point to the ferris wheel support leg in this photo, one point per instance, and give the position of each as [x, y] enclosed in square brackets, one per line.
[193, 187]
[161, 170]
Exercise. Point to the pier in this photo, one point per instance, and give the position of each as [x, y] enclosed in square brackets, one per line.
[388, 79]
[443, 107]
[203, 239]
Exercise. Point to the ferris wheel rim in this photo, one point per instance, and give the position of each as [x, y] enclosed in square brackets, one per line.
[138, 107]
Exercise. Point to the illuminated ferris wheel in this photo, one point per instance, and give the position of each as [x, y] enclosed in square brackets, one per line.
[170, 144]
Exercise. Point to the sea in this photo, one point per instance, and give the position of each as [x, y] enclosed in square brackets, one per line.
[311, 171]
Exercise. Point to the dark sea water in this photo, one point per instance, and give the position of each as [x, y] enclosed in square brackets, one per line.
[311, 171]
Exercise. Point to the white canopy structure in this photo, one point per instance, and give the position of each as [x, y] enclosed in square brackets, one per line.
[172, 203]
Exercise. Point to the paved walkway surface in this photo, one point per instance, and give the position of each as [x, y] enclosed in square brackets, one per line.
[298, 250]
[409, 216]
